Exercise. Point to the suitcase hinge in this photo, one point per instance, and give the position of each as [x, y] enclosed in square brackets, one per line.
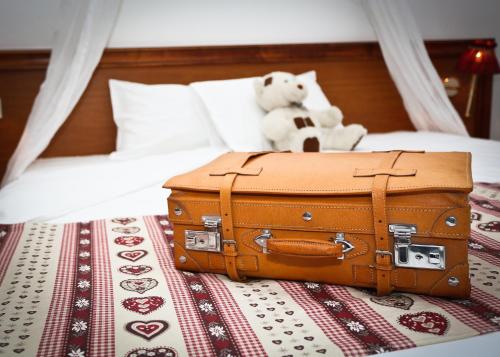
[418, 256]
[207, 240]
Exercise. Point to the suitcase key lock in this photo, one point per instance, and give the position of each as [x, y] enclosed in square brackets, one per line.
[208, 240]
[409, 255]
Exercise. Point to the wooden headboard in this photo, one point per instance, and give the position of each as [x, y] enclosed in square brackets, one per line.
[353, 75]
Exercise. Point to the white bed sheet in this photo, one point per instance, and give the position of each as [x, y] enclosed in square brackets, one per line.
[85, 188]
[92, 187]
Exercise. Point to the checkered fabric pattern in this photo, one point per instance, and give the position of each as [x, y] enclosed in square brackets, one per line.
[102, 338]
[142, 306]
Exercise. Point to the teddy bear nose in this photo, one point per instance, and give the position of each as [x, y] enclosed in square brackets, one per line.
[300, 86]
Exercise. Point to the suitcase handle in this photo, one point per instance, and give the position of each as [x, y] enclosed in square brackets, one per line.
[305, 248]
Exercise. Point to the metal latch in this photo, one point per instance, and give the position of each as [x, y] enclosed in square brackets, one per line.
[420, 256]
[208, 240]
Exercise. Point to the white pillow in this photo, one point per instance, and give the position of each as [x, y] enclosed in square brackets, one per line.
[158, 119]
[233, 108]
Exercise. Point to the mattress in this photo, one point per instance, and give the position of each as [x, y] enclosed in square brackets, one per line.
[91, 187]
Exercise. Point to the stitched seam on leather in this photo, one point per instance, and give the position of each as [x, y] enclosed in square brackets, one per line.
[312, 205]
[360, 189]
[423, 234]
[445, 277]
[436, 232]
[288, 227]
[357, 252]
[255, 247]
[305, 242]
[185, 252]
[370, 270]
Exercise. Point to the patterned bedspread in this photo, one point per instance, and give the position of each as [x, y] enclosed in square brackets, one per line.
[109, 287]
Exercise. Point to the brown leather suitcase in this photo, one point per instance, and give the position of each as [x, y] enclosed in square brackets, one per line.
[395, 220]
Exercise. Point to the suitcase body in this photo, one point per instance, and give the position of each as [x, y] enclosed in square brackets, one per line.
[392, 221]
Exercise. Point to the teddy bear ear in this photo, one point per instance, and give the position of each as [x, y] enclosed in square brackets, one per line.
[258, 85]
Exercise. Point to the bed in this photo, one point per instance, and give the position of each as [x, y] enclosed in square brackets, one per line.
[106, 285]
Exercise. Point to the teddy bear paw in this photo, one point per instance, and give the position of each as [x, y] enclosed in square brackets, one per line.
[331, 117]
[311, 145]
[355, 133]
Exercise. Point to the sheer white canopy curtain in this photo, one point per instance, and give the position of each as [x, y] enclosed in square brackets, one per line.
[82, 34]
[410, 67]
[86, 26]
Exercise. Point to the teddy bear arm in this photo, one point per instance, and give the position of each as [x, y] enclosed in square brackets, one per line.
[329, 118]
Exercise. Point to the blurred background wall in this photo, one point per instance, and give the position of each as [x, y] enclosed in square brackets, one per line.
[148, 23]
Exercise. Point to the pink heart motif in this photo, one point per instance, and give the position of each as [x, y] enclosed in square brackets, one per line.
[493, 226]
[129, 241]
[132, 255]
[139, 285]
[395, 300]
[135, 269]
[126, 230]
[143, 305]
[426, 322]
[152, 352]
[124, 221]
[147, 329]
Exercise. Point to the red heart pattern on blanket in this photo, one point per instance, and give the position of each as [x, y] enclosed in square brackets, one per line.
[143, 305]
[132, 255]
[396, 300]
[147, 329]
[135, 269]
[152, 352]
[426, 322]
[493, 226]
[126, 230]
[129, 241]
[124, 220]
[139, 285]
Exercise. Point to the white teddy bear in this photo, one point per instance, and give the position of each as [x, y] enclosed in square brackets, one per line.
[291, 126]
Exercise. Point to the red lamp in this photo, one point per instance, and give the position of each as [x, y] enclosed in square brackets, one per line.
[478, 59]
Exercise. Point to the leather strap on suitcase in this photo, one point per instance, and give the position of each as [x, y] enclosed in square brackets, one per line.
[229, 243]
[383, 254]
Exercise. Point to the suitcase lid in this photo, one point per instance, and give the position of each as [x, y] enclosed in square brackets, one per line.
[315, 174]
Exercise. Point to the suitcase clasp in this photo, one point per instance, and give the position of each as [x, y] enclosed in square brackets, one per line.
[208, 240]
[409, 255]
